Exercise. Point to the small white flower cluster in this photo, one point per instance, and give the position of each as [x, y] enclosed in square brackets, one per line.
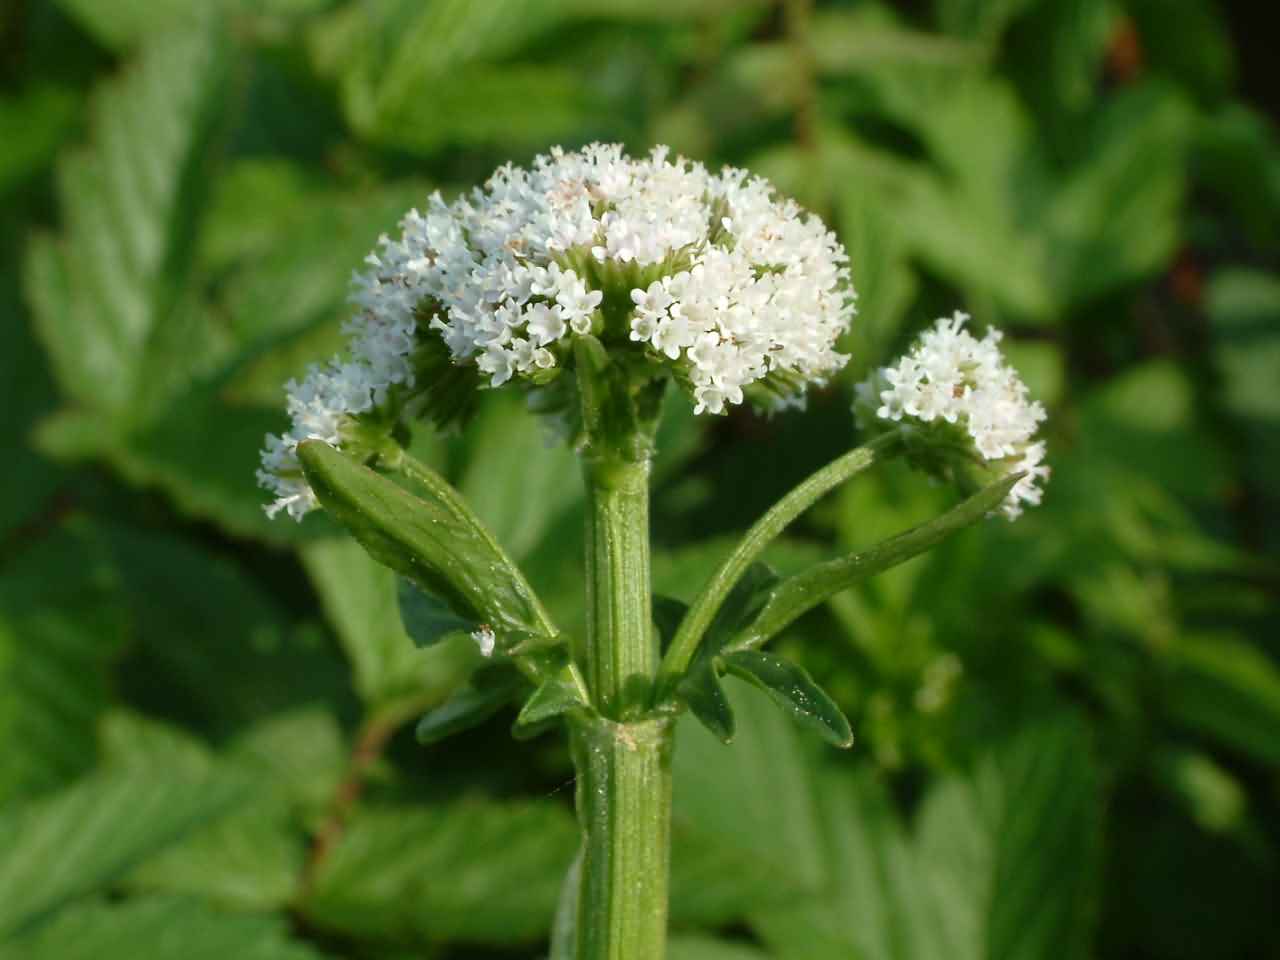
[728, 285]
[741, 284]
[322, 404]
[953, 377]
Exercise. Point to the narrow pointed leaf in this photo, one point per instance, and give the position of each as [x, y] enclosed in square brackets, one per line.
[436, 543]
[554, 697]
[427, 619]
[471, 706]
[700, 689]
[705, 608]
[790, 686]
[798, 594]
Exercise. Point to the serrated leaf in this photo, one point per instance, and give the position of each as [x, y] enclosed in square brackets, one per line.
[473, 872]
[1001, 866]
[701, 691]
[1029, 813]
[790, 686]
[741, 817]
[427, 619]
[108, 297]
[87, 836]
[251, 858]
[159, 928]
[384, 56]
[436, 544]
[471, 706]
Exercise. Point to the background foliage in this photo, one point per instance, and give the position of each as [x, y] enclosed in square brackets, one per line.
[1068, 729]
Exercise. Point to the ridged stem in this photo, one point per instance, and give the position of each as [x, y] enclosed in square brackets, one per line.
[624, 807]
[621, 655]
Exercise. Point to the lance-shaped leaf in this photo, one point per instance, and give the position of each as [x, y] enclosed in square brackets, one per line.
[800, 593]
[437, 543]
[705, 608]
[427, 619]
[559, 694]
[790, 686]
[490, 690]
[700, 689]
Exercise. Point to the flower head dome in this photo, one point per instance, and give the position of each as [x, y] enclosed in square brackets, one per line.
[957, 393]
[710, 278]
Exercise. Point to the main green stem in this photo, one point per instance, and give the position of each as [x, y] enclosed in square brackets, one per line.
[621, 656]
[623, 755]
[624, 806]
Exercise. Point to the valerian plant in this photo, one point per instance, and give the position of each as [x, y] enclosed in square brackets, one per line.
[599, 284]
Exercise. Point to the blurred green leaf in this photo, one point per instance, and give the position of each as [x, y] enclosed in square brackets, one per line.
[1010, 852]
[1229, 689]
[1244, 306]
[426, 619]
[1116, 218]
[471, 871]
[519, 506]
[126, 22]
[359, 598]
[210, 644]
[159, 928]
[741, 818]
[77, 841]
[980, 19]
[108, 296]
[704, 948]
[395, 95]
[32, 126]
[252, 857]
[60, 627]
[488, 692]
[847, 42]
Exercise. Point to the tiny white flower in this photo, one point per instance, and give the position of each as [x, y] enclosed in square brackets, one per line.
[544, 324]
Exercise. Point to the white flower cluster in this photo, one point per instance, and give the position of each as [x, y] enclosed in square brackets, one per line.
[727, 284]
[953, 377]
[322, 405]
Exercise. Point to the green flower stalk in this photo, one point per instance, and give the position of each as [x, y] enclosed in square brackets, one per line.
[599, 285]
